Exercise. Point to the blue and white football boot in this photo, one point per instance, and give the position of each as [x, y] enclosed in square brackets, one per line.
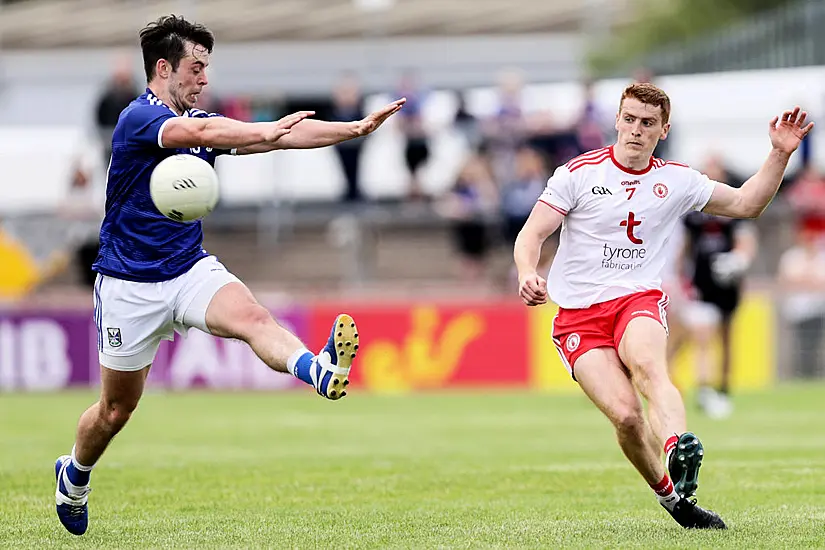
[330, 368]
[73, 510]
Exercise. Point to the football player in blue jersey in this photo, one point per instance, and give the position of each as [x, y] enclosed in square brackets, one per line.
[155, 278]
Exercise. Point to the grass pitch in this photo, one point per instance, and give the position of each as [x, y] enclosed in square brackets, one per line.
[442, 470]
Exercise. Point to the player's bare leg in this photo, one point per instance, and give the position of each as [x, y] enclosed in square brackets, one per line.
[711, 402]
[726, 335]
[120, 393]
[643, 350]
[605, 381]
[235, 313]
[119, 396]
[703, 335]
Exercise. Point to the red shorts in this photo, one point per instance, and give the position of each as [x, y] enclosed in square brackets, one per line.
[577, 331]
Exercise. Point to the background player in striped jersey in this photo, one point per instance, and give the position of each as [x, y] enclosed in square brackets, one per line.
[155, 278]
[617, 208]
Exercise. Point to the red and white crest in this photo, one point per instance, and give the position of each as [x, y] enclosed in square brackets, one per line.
[573, 342]
[660, 190]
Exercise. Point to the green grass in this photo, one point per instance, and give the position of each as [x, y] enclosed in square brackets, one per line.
[457, 470]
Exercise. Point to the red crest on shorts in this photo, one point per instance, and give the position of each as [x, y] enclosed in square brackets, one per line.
[660, 190]
[573, 342]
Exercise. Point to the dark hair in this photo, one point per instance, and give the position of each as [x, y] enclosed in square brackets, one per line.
[166, 39]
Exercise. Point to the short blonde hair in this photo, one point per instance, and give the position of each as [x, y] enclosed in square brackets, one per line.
[649, 94]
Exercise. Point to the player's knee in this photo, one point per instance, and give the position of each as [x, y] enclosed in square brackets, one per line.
[252, 320]
[116, 415]
[650, 370]
[629, 422]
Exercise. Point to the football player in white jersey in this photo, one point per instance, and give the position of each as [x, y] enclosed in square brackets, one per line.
[617, 208]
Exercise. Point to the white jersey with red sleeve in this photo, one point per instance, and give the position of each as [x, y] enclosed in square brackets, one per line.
[617, 226]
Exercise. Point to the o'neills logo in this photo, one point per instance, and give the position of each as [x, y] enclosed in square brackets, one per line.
[631, 182]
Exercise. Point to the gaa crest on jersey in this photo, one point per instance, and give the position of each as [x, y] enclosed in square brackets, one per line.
[660, 190]
[573, 342]
[115, 339]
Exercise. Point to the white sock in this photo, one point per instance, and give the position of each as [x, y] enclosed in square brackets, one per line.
[666, 494]
[78, 465]
[669, 501]
[71, 488]
[293, 360]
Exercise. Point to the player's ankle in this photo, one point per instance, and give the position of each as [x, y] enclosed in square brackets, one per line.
[299, 365]
[666, 493]
[78, 474]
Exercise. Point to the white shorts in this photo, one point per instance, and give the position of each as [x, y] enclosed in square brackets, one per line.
[132, 318]
[699, 314]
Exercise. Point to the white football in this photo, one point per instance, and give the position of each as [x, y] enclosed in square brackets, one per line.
[184, 188]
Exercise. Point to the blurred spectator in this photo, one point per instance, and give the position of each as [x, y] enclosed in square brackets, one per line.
[467, 124]
[348, 104]
[589, 131]
[802, 277]
[507, 130]
[520, 193]
[119, 92]
[643, 74]
[411, 123]
[716, 169]
[807, 197]
[81, 213]
[471, 204]
[592, 122]
[519, 196]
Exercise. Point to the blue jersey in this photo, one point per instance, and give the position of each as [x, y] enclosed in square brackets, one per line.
[137, 242]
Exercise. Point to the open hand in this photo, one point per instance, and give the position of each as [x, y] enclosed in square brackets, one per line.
[375, 119]
[282, 127]
[788, 132]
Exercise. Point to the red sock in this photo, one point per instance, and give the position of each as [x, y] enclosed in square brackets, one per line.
[664, 487]
[670, 444]
[666, 493]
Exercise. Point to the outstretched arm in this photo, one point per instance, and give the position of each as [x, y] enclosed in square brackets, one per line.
[224, 133]
[543, 222]
[312, 134]
[750, 200]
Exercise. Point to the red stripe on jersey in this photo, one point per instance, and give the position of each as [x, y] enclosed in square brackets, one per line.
[674, 163]
[592, 153]
[593, 161]
[587, 155]
[554, 207]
